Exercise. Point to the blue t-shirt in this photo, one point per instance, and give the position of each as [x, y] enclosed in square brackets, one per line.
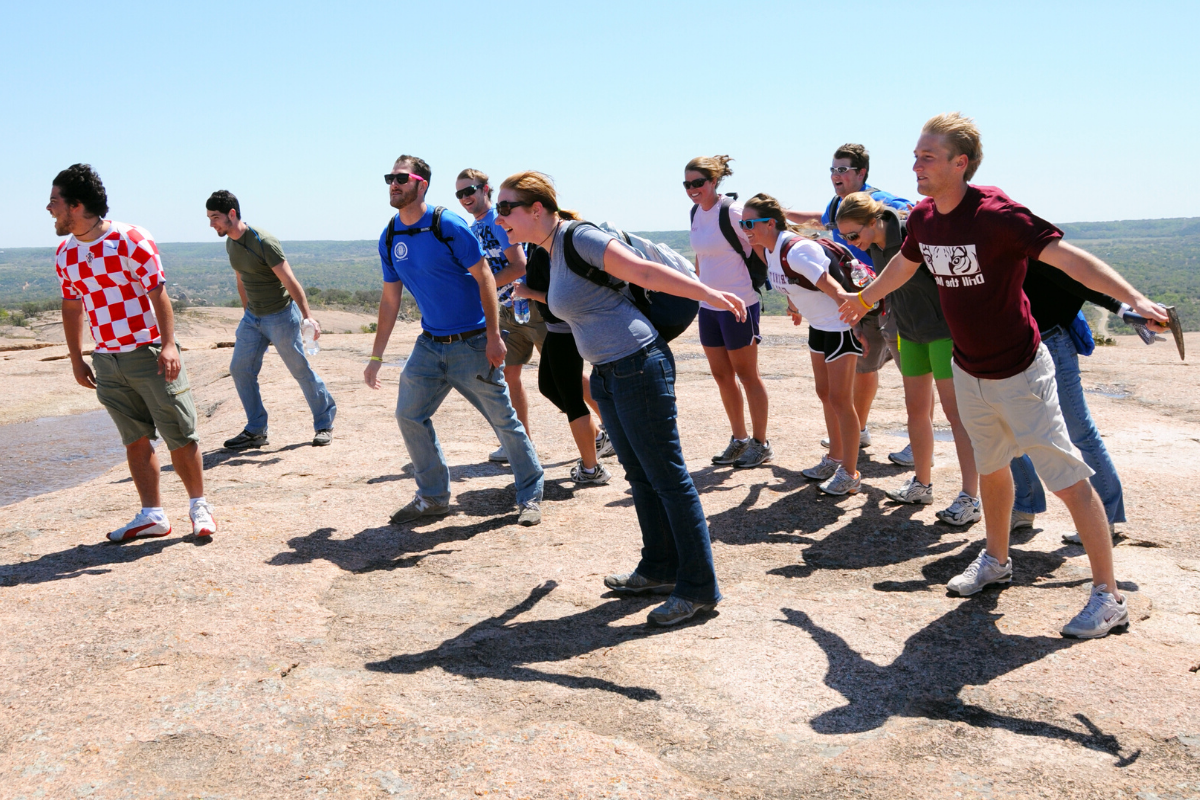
[889, 200]
[494, 242]
[437, 273]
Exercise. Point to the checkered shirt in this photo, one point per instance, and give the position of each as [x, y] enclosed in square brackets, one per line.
[112, 276]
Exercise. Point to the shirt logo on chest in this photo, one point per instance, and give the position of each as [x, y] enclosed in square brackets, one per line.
[400, 251]
[953, 265]
[89, 257]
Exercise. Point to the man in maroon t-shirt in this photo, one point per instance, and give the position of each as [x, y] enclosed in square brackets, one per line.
[977, 243]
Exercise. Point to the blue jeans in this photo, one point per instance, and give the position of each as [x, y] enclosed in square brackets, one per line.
[281, 329]
[1031, 497]
[636, 395]
[432, 370]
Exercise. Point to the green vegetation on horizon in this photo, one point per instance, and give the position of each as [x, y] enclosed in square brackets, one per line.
[1159, 257]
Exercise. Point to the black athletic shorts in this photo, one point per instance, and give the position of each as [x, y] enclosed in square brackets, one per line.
[833, 344]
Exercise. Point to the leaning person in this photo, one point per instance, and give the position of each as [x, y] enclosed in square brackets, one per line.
[633, 381]
[274, 307]
[112, 272]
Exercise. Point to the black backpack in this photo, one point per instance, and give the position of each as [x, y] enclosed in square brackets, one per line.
[754, 265]
[841, 267]
[435, 227]
[669, 314]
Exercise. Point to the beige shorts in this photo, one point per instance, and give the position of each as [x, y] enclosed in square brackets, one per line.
[1020, 416]
[876, 350]
[521, 339]
[139, 400]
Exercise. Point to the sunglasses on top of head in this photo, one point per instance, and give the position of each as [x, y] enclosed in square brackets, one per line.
[505, 207]
[467, 191]
[400, 178]
[748, 224]
[696, 184]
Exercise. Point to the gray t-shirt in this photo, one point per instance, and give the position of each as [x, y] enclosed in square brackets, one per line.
[606, 324]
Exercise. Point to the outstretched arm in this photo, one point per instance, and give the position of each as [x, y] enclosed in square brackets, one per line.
[894, 275]
[496, 349]
[389, 307]
[623, 264]
[1095, 274]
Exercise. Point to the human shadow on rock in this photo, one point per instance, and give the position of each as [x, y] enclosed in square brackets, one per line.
[84, 559]
[458, 472]
[384, 547]
[961, 648]
[499, 649]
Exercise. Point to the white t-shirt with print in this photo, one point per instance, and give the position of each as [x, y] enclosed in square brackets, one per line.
[720, 267]
[808, 259]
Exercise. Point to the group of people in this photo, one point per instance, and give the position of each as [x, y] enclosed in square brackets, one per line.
[950, 304]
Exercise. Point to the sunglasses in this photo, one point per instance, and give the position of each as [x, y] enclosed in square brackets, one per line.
[400, 178]
[505, 207]
[853, 236]
[467, 191]
[842, 170]
[748, 224]
[696, 184]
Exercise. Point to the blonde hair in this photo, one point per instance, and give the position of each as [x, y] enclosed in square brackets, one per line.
[537, 187]
[475, 175]
[962, 137]
[765, 205]
[860, 208]
[715, 168]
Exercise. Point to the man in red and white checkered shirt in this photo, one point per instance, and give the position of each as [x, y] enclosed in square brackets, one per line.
[113, 272]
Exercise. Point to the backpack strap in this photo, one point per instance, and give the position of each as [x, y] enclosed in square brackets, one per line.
[580, 267]
[726, 226]
[793, 277]
[435, 227]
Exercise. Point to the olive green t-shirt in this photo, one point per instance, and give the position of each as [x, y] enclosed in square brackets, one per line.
[254, 258]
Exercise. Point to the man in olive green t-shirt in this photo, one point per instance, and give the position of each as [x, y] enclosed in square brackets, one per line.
[274, 310]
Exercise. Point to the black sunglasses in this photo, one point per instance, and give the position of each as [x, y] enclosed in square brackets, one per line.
[467, 191]
[400, 178]
[696, 184]
[505, 207]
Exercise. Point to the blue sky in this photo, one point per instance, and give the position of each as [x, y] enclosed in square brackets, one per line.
[1088, 109]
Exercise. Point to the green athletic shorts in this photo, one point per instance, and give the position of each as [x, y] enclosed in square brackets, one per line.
[139, 400]
[921, 359]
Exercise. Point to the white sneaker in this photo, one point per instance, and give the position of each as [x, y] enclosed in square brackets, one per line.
[141, 526]
[203, 523]
[823, 471]
[1073, 536]
[599, 476]
[1020, 519]
[864, 439]
[1101, 614]
[984, 570]
[963, 511]
[498, 456]
[604, 447]
[913, 491]
[904, 457]
[841, 483]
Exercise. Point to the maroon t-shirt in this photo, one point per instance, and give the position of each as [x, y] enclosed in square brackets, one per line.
[978, 254]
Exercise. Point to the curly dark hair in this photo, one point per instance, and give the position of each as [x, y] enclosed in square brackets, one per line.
[79, 184]
[223, 200]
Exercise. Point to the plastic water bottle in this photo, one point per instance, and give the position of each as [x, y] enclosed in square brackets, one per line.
[308, 332]
[858, 273]
[521, 310]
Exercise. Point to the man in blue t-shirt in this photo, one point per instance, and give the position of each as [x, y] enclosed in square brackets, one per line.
[851, 163]
[438, 258]
[508, 264]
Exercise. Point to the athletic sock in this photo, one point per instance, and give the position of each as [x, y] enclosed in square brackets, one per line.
[194, 500]
[157, 514]
[591, 471]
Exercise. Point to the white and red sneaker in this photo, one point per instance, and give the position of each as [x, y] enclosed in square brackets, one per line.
[143, 525]
[203, 523]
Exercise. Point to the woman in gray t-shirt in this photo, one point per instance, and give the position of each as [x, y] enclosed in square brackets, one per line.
[633, 382]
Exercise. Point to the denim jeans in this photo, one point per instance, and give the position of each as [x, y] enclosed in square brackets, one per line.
[636, 395]
[1030, 496]
[281, 329]
[432, 370]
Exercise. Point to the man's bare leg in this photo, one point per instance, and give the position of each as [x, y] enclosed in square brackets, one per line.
[144, 468]
[997, 495]
[1087, 512]
[189, 466]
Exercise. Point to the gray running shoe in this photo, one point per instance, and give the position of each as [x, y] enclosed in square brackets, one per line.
[418, 507]
[1073, 536]
[1020, 519]
[246, 439]
[323, 437]
[984, 570]
[675, 610]
[498, 456]
[963, 511]
[864, 439]
[598, 476]
[733, 451]
[913, 492]
[903, 457]
[756, 454]
[823, 471]
[531, 514]
[636, 583]
[1101, 614]
[604, 447]
[841, 483]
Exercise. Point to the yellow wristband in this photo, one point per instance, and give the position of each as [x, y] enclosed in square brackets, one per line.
[375, 358]
[864, 302]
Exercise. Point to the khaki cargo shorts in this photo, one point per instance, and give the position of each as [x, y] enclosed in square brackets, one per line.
[139, 400]
[1020, 416]
[877, 351]
[522, 339]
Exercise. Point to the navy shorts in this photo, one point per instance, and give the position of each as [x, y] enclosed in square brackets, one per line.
[721, 328]
[833, 344]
